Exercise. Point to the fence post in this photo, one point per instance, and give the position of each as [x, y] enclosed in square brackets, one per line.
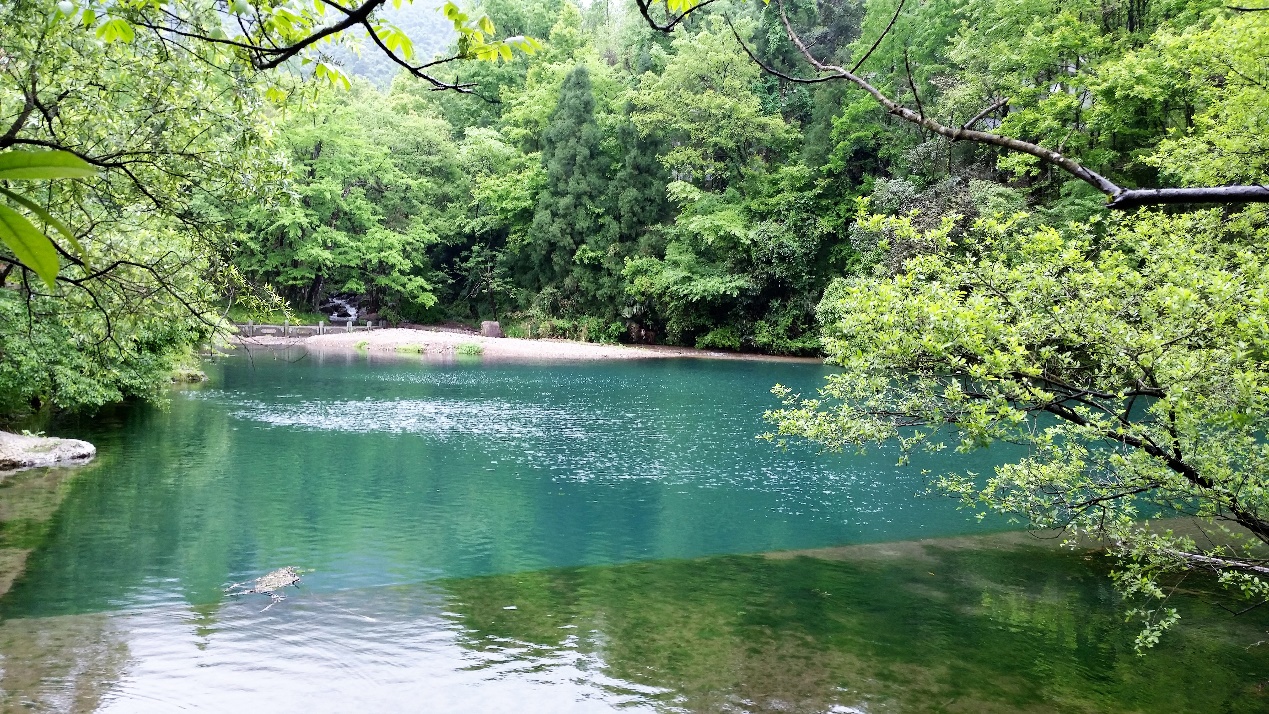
[286, 328]
[320, 325]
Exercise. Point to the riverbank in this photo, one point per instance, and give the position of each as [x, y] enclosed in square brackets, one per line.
[20, 451]
[444, 343]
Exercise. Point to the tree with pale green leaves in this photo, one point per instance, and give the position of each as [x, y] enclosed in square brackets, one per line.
[1128, 357]
[130, 133]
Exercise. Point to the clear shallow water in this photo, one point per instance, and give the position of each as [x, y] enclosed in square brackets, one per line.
[512, 538]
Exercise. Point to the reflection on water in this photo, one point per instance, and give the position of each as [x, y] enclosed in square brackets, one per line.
[65, 664]
[531, 539]
[61, 664]
[925, 628]
[969, 626]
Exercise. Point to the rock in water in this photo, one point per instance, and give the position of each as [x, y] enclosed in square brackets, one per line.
[490, 328]
[22, 451]
[268, 584]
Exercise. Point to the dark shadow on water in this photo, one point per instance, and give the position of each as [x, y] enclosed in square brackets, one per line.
[935, 629]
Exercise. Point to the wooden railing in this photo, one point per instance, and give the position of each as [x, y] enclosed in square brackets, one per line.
[286, 329]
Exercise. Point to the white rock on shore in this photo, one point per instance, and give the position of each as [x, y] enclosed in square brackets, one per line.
[18, 451]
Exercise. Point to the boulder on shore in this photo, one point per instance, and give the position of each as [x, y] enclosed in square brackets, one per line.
[19, 451]
[490, 328]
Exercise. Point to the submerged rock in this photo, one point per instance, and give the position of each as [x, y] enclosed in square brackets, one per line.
[190, 375]
[268, 584]
[22, 451]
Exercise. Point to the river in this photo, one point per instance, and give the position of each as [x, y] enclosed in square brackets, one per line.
[589, 537]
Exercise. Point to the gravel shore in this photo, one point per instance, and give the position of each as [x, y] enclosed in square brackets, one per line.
[448, 343]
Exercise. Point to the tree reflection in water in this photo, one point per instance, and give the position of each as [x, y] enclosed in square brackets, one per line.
[952, 626]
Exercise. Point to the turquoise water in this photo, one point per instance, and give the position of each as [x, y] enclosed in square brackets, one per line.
[482, 536]
[402, 472]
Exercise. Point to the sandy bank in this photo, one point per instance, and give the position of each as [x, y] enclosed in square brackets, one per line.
[18, 451]
[447, 343]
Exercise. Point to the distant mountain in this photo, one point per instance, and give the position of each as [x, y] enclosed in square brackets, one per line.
[425, 25]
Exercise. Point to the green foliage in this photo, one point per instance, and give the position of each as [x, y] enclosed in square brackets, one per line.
[70, 353]
[704, 103]
[1224, 141]
[358, 214]
[32, 247]
[1129, 359]
[469, 348]
[263, 32]
[517, 330]
[787, 330]
[111, 265]
[726, 338]
[571, 231]
[238, 313]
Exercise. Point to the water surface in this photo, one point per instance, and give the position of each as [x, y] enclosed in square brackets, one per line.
[567, 537]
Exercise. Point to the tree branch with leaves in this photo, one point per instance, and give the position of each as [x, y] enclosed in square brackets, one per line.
[1118, 197]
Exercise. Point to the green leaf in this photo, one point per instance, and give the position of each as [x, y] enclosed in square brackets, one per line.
[395, 40]
[116, 30]
[49, 164]
[332, 74]
[48, 218]
[34, 249]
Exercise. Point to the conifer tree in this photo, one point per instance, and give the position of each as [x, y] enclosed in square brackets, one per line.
[572, 227]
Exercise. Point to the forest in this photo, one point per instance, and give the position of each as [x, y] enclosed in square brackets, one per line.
[622, 184]
[952, 200]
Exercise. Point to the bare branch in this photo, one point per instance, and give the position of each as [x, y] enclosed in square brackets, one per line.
[1119, 198]
[1234, 563]
[983, 114]
[645, 9]
[880, 37]
[417, 71]
[768, 69]
[907, 66]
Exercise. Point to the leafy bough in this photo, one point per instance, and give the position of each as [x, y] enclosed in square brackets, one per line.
[34, 248]
[268, 34]
[1127, 358]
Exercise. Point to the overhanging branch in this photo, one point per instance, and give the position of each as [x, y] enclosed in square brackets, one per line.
[645, 9]
[1118, 197]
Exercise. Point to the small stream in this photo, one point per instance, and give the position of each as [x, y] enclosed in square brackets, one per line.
[339, 309]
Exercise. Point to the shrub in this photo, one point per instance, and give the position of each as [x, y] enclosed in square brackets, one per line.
[786, 331]
[723, 338]
[469, 348]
